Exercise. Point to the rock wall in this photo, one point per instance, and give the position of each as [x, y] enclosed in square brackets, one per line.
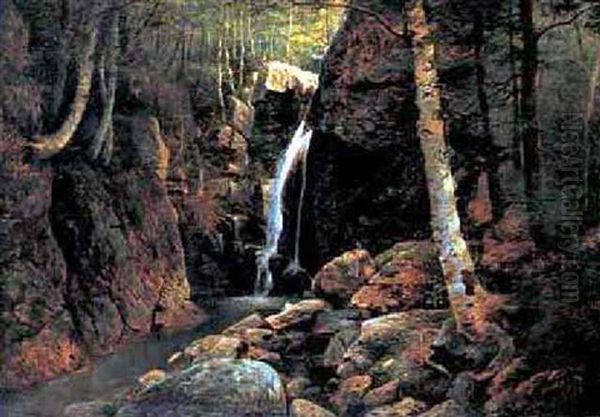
[365, 178]
[90, 256]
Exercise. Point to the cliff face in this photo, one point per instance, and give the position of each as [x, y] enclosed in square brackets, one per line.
[366, 183]
[90, 257]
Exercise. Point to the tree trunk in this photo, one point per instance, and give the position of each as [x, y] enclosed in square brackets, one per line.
[49, 145]
[529, 71]
[488, 151]
[230, 77]
[220, 67]
[103, 140]
[242, 50]
[517, 152]
[591, 174]
[288, 45]
[454, 255]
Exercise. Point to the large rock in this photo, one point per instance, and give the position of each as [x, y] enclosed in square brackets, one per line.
[305, 408]
[397, 347]
[215, 388]
[341, 277]
[215, 346]
[408, 407]
[297, 314]
[282, 77]
[90, 409]
[446, 409]
[409, 276]
[365, 169]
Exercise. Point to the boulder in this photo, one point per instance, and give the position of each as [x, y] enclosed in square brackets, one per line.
[215, 346]
[305, 408]
[330, 322]
[408, 407]
[398, 347]
[216, 388]
[297, 314]
[282, 77]
[351, 390]
[90, 409]
[337, 347]
[341, 277]
[154, 376]
[296, 387]
[253, 321]
[409, 276]
[366, 181]
[446, 409]
[384, 394]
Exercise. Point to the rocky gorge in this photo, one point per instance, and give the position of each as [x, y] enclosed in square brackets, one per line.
[98, 254]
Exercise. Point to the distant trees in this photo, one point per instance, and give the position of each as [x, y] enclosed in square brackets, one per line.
[112, 43]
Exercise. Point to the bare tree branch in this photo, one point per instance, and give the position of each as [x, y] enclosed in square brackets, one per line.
[541, 32]
[389, 26]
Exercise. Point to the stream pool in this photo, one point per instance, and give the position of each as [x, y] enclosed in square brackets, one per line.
[114, 373]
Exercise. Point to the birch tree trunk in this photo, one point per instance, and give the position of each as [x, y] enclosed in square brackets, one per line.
[49, 145]
[103, 140]
[454, 255]
[220, 66]
[242, 49]
[589, 146]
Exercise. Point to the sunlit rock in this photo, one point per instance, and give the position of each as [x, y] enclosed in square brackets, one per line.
[305, 408]
[282, 77]
[341, 277]
[296, 314]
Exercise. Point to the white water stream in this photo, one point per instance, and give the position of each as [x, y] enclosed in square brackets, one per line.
[295, 153]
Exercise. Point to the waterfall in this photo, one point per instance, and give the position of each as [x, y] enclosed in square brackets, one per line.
[297, 148]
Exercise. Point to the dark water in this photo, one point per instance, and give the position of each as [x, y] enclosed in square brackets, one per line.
[112, 374]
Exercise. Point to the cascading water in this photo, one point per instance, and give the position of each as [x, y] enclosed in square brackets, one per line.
[297, 148]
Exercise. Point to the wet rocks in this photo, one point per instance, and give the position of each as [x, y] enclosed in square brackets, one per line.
[408, 407]
[396, 347]
[215, 346]
[253, 321]
[384, 394]
[296, 387]
[305, 408]
[351, 390]
[341, 277]
[446, 409]
[152, 377]
[217, 387]
[89, 409]
[297, 314]
[408, 276]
